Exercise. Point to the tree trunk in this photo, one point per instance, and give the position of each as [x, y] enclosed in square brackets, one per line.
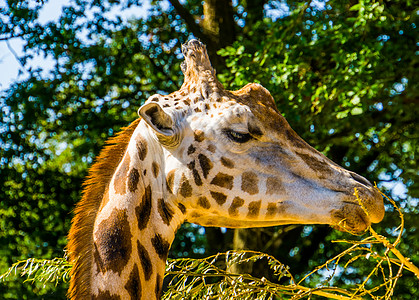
[219, 29]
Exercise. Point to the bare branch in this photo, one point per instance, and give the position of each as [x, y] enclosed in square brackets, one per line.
[7, 38]
[16, 56]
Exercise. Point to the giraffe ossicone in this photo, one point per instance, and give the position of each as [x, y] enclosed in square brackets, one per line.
[205, 155]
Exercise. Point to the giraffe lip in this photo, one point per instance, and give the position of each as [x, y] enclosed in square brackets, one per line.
[369, 200]
[351, 217]
[372, 203]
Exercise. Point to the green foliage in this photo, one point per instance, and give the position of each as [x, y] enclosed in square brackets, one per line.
[332, 68]
[53, 126]
[45, 271]
[346, 79]
[214, 277]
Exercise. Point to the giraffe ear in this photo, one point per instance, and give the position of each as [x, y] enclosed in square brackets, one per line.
[157, 118]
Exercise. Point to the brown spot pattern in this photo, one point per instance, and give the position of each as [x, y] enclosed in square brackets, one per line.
[161, 246]
[105, 167]
[133, 285]
[105, 295]
[316, 165]
[145, 261]
[98, 260]
[121, 175]
[143, 211]
[155, 169]
[223, 180]
[141, 147]
[203, 202]
[228, 163]
[185, 188]
[199, 135]
[191, 150]
[271, 210]
[250, 183]
[196, 176]
[254, 208]
[211, 148]
[254, 130]
[294, 138]
[113, 242]
[170, 180]
[133, 179]
[182, 208]
[220, 198]
[158, 286]
[237, 202]
[195, 215]
[165, 211]
[282, 207]
[274, 186]
[205, 163]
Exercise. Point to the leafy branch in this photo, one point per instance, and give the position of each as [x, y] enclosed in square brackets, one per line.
[45, 271]
[213, 277]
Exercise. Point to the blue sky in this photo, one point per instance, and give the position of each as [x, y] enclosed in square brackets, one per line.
[9, 66]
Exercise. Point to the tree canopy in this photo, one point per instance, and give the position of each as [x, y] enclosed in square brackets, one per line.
[343, 73]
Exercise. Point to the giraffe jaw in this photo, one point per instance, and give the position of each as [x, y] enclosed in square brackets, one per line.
[343, 219]
[345, 213]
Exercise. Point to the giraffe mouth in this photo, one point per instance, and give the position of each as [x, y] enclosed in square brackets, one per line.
[351, 218]
[357, 213]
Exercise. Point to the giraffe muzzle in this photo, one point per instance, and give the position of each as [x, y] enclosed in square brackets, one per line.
[357, 213]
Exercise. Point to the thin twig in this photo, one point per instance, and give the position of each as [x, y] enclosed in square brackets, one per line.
[15, 55]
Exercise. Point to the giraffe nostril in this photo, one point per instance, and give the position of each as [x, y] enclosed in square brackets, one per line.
[360, 179]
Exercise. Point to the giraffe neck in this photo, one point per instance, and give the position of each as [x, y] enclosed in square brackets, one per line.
[134, 225]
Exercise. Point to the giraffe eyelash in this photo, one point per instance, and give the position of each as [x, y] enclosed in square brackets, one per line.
[238, 137]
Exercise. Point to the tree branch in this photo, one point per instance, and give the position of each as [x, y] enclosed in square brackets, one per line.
[161, 69]
[12, 37]
[15, 55]
[189, 20]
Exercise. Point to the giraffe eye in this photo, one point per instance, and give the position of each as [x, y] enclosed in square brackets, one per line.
[238, 137]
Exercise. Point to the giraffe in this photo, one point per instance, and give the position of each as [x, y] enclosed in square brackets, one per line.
[208, 156]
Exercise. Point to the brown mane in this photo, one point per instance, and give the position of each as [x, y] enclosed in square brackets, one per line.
[80, 237]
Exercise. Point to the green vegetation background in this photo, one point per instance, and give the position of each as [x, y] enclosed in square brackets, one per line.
[344, 74]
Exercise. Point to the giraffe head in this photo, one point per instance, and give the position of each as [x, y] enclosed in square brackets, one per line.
[232, 160]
